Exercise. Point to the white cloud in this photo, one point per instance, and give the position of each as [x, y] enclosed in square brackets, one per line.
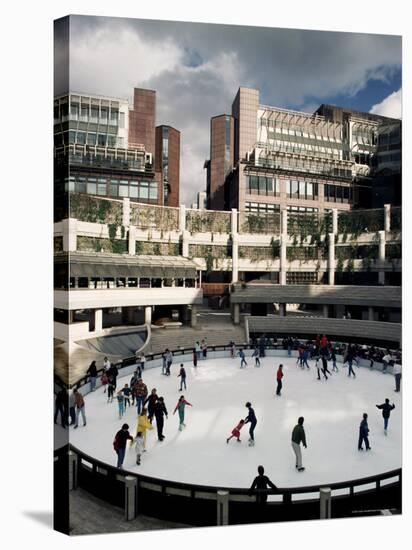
[391, 106]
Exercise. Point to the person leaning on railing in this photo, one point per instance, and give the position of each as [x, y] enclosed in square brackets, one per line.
[260, 485]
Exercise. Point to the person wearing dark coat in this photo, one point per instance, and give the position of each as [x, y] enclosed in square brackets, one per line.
[364, 433]
[386, 409]
[160, 412]
[92, 372]
[298, 437]
[260, 485]
[119, 444]
[325, 366]
[251, 417]
[151, 400]
[113, 373]
[61, 403]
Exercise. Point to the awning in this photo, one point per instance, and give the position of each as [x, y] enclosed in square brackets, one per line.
[102, 265]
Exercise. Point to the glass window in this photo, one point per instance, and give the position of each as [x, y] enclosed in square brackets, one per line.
[84, 113]
[269, 185]
[123, 190]
[309, 190]
[253, 184]
[94, 114]
[91, 188]
[80, 185]
[302, 190]
[153, 191]
[294, 189]
[144, 190]
[315, 192]
[91, 139]
[81, 138]
[345, 194]
[72, 137]
[134, 192]
[262, 185]
[111, 141]
[114, 117]
[74, 111]
[121, 120]
[114, 190]
[104, 115]
[101, 140]
[338, 191]
[101, 189]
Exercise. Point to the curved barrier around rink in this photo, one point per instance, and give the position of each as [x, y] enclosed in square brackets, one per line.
[205, 505]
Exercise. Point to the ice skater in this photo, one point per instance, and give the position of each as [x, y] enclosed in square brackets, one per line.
[325, 366]
[151, 400]
[120, 403]
[333, 359]
[232, 350]
[180, 408]
[243, 362]
[251, 418]
[204, 348]
[182, 374]
[160, 412]
[319, 369]
[364, 433]
[111, 386]
[256, 355]
[119, 443]
[386, 409]
[397, 372]
[298, 437]
[236, 431]
[305, 356]
[194, 357]
[198, 350]
[127, 392]
[139, 442]
[140, 391]
[92, 372]
[279, 376]
[60, 406]
[80, 408]
[143, 424]
[169, 361]
[260, 485]
[104, 380]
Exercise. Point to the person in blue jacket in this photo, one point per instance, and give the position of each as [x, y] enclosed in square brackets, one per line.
[386, 409]
[364, 433]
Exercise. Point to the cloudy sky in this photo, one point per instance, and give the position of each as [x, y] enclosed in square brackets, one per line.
[197, 68]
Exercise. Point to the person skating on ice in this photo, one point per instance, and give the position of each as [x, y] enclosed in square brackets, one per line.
[298, 437]
[333, 359]
[251, 418]
[127, 392]
[236, 431]
[143, 424]
[120, 403]
[141, 392]
[260, 484]
[256, 355]
[160, 412]
[279, 376]
[194, 357]
[80, 408]
[325, 366]
[364, 433]
[243, 362]
[139, 442]
[119, 443]
[150, 401]
[180, 408]
[386, 409]
[182, 375]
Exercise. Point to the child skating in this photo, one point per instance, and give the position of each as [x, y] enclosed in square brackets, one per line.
[236, 431]
[180, 407]
[120, 403]
[139, 441]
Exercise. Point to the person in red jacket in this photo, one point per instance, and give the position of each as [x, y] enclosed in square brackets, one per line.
[236, 431]
[324, 342]
[279, 376]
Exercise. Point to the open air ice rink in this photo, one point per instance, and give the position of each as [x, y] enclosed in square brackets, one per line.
[218, 390]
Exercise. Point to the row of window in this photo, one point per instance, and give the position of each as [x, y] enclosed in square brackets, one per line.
[85, 113]
[261, 208]
[134, 189]
[302, 190]
[336, 193]
[88, 138]
[262, 185]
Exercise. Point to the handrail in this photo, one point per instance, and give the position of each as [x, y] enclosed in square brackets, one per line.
[233, 490]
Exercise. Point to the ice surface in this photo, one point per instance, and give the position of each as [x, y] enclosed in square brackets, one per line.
[219, 389]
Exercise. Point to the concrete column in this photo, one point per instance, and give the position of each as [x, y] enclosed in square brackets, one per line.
[193, 317]
[371, 313]
[284, 221]
[72, 471]
[130, 498]
[233, 222]
[335, 221]
[331, 259]
[282, 310]
[325, 497]
[235, 258]
[236, 314]
[282, 273]
[222, 500]
[132, 240]
[182, 218]
[98, 320]
[185, 243]
[126, 212]
[325, 310]
[69, 227]
[148, 315]
[382, 256]
[387, 224]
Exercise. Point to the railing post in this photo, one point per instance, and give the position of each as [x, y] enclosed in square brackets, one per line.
[387, 222]
[325, 502]
[130, 497]
[126, 212]
[222, 500]
[73, 463]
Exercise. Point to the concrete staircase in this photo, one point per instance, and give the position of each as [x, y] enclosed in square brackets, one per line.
[217, 328]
